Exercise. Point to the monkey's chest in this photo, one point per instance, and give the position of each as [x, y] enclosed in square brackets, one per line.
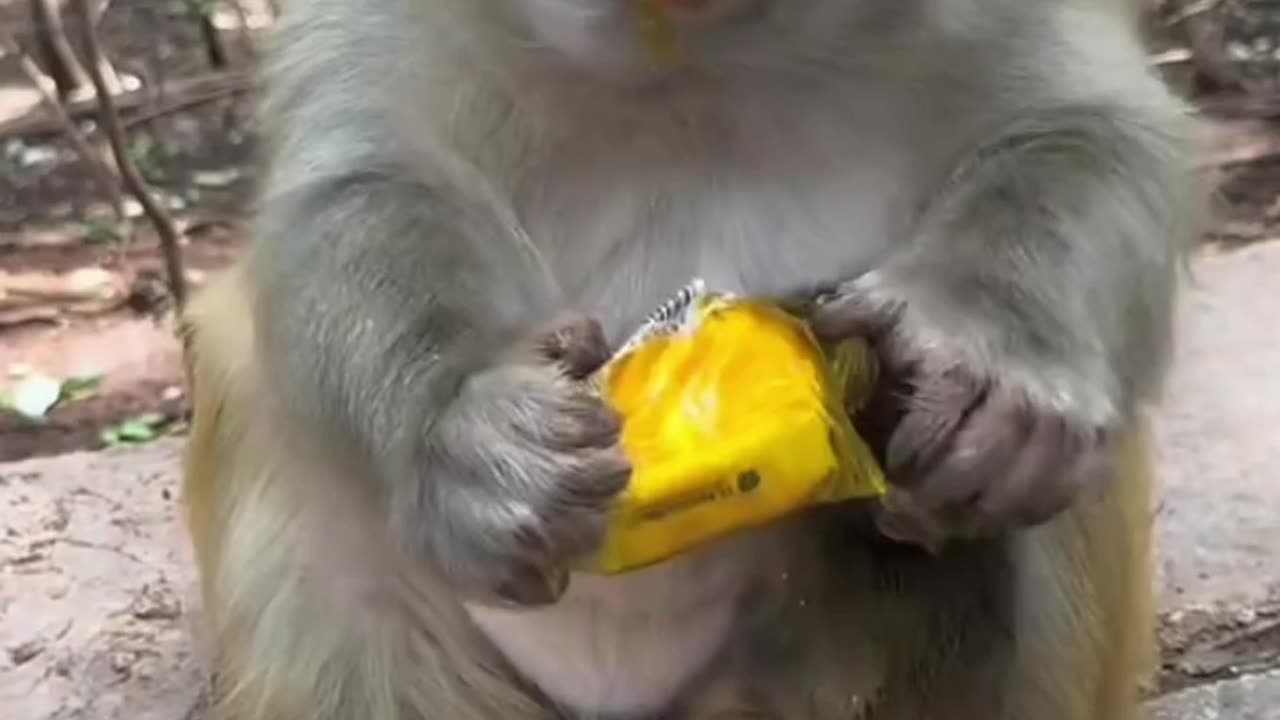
[619, 245]
[632, 644]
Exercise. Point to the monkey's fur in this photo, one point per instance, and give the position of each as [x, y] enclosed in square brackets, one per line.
[394, 456]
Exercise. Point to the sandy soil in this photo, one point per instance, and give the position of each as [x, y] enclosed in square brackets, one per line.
[94, 590]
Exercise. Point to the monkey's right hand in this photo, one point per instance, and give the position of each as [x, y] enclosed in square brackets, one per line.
[525, 468]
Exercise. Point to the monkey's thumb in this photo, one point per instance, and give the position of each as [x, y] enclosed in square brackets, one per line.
[852, 311]
[900, 519]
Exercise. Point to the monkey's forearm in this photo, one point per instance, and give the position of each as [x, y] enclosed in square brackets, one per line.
[1053, 256]
[378, 297]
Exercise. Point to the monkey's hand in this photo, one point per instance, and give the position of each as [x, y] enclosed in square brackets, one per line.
[525, 467]
[971, 445]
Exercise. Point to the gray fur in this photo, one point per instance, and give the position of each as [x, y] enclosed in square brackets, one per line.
[1001, 183]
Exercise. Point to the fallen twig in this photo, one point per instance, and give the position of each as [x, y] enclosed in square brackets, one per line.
[178, 104]
[83, 284]
[185, 92]
[103, 547]
[40, 297]
[129, 172]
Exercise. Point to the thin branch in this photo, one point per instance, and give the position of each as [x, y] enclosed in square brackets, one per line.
[235, 86]
[245, 32]
[51, 38]
[198, 87]
[165, 228]
[215, 49]
[102, 175]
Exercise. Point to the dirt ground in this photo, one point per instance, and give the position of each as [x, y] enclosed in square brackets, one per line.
[95, 591]
[57, 230]
[56, 227]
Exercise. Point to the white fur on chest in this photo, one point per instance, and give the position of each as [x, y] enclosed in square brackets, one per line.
[629, 643]
[776, 208]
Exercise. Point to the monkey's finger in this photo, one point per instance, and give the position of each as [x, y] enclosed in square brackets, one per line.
[985, 447]
[1098, 466]
[850, 314]
[578, 534]
[529, 585]
[902, 519]
[1090, 467]
[1090, 470]
[499, 546]
[576, 342]
[593, 478]
[1038, 483]
[580, 421]
[938, 408]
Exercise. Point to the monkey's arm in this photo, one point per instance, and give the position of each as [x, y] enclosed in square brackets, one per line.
[380, 279]
[378, 301]
[1052, 257]
[408, 326]
[1032, 309]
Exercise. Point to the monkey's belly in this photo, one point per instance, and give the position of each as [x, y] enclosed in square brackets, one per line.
[630, 643]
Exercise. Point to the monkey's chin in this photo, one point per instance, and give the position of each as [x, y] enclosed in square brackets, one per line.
[626, 645]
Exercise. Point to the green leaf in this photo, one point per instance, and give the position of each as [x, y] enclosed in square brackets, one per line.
[80, 388]
[150, 419]
[139, 429]
[134, 431]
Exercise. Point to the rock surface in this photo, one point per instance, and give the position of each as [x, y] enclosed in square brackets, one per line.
[95, 577]
[1249, 698]
[1219, 436]
[1218, 439]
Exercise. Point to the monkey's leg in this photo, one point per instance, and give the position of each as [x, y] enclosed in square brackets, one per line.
[1075, 612]
[1053, 623]
[313, 613]
[1087, 615]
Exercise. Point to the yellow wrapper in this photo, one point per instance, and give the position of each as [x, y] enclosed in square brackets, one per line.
[733, 417]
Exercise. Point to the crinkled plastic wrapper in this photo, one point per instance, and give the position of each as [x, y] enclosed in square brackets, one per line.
[733, 417]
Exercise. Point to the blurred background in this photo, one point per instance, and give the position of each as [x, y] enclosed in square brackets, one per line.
[111, 211]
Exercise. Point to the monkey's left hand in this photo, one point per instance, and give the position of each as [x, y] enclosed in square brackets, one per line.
[971, 447]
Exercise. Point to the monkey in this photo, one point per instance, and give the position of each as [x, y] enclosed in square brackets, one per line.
[396, 454]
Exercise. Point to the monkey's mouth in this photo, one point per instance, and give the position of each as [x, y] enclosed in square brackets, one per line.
[664, 23]
[698, 12]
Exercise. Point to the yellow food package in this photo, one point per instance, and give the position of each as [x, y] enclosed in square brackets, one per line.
[733, 417]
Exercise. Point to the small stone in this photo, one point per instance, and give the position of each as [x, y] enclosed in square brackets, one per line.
[155, 602]
[122, 662]
[24, 653]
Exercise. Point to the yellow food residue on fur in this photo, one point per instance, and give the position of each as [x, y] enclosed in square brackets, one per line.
[657, 31]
